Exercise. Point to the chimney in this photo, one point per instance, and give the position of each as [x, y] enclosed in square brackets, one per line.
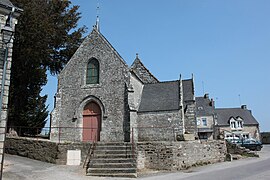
[206, 96]
[244, 107]
[212, 103]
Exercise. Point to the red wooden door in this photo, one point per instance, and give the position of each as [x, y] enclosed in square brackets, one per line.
[91, 122]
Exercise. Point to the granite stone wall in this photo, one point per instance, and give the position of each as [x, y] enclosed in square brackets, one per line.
[159, 126]
[159, 155]
[190, 120]
[179, 155]
[44, 150]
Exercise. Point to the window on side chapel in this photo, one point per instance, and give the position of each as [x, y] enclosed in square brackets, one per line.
[92, 74]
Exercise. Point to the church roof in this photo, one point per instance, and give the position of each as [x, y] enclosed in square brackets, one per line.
[96, 31]
[162, 96]
[188, 89]
[204, 106]
[225, 114]
[142, 72]
[93, 37]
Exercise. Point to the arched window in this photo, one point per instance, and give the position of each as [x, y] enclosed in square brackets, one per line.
[92, 74]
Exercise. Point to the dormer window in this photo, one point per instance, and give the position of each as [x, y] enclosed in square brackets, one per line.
[233, 124]
[92, 74]
[236, 123]
[200, 108]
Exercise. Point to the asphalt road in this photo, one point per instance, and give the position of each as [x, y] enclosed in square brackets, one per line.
[19, 168]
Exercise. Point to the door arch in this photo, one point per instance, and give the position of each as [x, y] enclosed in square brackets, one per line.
[91, 122]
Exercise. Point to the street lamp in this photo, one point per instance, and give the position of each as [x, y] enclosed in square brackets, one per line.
[7, 31]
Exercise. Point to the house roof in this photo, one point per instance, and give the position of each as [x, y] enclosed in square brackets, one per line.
[142, 72]
[204, 106]
[161, 96]
[225, 114]
[188, 89]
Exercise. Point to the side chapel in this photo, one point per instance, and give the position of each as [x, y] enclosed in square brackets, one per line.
[99, 97]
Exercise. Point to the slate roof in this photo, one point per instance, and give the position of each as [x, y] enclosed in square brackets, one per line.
[224, 115]
[162, 96]
[188, 89]
[142, 72]
[204, 107]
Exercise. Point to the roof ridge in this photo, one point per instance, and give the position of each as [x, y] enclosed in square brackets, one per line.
[137, 59]
[163, 82]
[231, 108]
[168, 81]
[110, 45]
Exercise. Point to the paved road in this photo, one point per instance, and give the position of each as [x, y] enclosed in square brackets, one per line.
[19, 168]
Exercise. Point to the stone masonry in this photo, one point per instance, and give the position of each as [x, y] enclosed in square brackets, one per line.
[73, 93]
[134, 104]
[179, 155]
[159, 155]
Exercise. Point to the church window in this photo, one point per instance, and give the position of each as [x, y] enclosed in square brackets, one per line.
[92, 75]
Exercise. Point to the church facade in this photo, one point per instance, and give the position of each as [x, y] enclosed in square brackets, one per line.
[100, 98]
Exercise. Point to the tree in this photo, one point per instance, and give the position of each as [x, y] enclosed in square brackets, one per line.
[46, 37]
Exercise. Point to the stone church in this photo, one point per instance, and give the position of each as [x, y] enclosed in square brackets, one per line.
[99, 97]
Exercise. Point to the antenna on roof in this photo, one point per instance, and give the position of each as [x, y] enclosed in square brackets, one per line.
[97, 20]
[203, 87]
[239, 96]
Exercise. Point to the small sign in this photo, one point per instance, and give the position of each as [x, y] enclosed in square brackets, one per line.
[74, 157]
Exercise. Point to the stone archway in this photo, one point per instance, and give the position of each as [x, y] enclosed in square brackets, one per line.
[91, 122]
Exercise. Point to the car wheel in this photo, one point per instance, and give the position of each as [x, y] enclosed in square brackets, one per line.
[258, 148]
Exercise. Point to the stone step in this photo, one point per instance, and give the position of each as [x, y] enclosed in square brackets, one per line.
[111, 170]
[107, 160]
[118, 147]
[113, 152]
[114, 144]
[112, 165]
[112, 156]
[113, 159]
[127, 175]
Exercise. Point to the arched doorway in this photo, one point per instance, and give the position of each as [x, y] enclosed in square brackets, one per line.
[91, 122]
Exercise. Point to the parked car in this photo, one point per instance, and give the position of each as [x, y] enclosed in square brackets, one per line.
[251, 144]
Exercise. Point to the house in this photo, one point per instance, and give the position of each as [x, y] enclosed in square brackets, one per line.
[265, 137]
[236, 123]
[100, 98]
[205, 117]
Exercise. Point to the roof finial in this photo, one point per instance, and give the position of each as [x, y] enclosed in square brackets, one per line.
[137, 55]
[97, 20]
